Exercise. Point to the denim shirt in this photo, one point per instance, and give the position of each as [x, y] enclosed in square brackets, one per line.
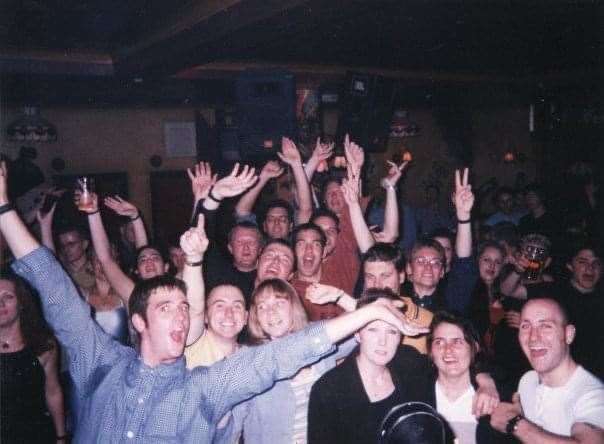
[268, 418]
[123, 400]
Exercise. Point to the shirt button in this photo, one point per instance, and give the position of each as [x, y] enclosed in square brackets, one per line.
[140, 400]
[130, 434]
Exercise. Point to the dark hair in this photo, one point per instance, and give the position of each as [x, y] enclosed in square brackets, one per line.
[139, 299]
[309, 226]
[279, 203]
[558, 302]
[580, 246]
[247, 225]
[325, 212]
[331, 179]
[64, 229]
[428, 243]
[373, 294]
[383, 252]
[162, 252]
[465, 325]
[34, 329]
[441, 232]
[535, 188]
[501, 191]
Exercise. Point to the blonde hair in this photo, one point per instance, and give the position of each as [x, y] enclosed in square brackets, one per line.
[280, 289]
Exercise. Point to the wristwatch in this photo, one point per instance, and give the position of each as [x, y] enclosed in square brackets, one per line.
[512, 424]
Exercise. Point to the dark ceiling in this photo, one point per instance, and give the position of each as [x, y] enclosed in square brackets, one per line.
[523, 41]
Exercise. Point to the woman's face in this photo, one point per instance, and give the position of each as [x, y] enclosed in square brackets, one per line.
[378, 342]
[275, 314]
[9, 305]
[451, 353]
[489, 264]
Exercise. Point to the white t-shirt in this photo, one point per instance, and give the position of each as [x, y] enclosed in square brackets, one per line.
[458, 414]
[556, 409]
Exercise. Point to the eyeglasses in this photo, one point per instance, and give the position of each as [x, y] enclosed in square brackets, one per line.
[431, 261]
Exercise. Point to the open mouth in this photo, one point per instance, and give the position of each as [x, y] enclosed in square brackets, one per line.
[537, 352]
[178, 336]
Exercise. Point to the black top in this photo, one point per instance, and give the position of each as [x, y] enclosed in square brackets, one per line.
[25, 417]
[340, 410]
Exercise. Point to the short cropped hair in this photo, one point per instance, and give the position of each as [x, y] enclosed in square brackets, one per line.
[428, 243]
[383, 252]
[309, 226]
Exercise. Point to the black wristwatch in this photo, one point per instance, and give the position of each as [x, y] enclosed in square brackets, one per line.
[512, 424]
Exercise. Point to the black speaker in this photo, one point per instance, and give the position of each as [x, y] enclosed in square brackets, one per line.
[367, 108]
[266, 111]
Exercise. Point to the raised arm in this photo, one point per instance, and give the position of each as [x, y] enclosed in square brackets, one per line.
[246, 203]
[66, 312]
[202, 181]
[194, 243]
[120, 282]
[390, 232]
[127, 209]
[229, 186]
[320, 154]
[463, 199]
[45, 222]
[350, 189]
[291, 156]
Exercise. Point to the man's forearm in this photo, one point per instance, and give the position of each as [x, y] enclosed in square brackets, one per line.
[529, 433]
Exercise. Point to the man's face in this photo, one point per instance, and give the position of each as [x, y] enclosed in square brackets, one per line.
[164, 333]
[505, 203]
[150, 264]
[276, 261]
[544, 336]
[309, 252]
[9, 305]
[226, 314]
[378, 342]
[334, 198]
[73, 247]
[426, 268]
[586, 269]
[382, 275]
[450, 352]
[330, 228]
[277, 224]
[245, 246]
[445, 242]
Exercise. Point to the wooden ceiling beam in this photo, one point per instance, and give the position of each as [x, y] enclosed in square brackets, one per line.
[165, 50]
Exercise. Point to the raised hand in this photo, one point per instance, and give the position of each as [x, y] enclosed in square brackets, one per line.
[390, 311]
[235, 183]
[321, 153]
[194, 242]
[272, 169]
[201, 179]
[289, 152]
[350, 190]
[121, 206]
[355, 156]
[463, 198]
[45, 219]
[91, 207]
[394, 174]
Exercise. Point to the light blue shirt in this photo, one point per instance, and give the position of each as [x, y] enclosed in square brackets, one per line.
[123, 400]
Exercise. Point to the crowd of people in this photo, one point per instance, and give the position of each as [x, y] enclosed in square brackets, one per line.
[299, 321]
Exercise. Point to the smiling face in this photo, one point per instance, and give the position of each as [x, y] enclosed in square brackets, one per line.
[149, 263]
[425, 269]
[277, 224]
[275, 313]
[225, 313]
[545, 336]
[276, 261]
[586, 269]
[309, 253]
[378, 342]
[164, 332]
[489, 264]
[9, 305]
[450, 351]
